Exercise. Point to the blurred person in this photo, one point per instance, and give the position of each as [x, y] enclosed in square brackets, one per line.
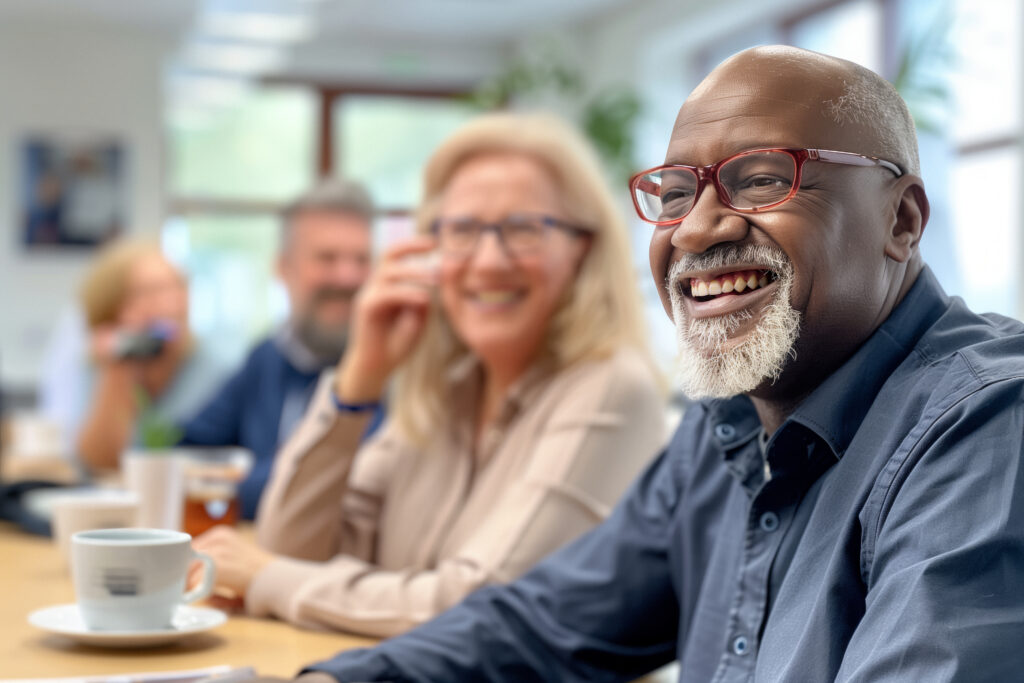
[524, 401]
[62, 383]
[324, 257]
[847, 501]
[144, 359]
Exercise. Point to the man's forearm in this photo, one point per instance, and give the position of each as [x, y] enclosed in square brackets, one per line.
[108, 426]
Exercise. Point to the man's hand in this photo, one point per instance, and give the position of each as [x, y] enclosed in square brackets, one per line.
[237, 560]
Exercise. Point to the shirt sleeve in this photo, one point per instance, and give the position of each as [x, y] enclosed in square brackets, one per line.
[602, 608]
[308, 510]
[944, 599]
[593, 444]
[218, 422]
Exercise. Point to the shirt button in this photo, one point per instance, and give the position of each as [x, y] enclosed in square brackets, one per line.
[769, 521]
[725, 431]
[740, 645]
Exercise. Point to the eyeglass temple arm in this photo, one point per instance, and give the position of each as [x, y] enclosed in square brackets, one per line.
[851, 159]
[647, 186]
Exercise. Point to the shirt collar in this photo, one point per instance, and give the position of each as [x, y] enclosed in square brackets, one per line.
[297, 353]
[834, 411]
[465, 378]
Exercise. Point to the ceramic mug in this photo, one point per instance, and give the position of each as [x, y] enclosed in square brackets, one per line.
[134, 579]
[92, 509]
[156, 478]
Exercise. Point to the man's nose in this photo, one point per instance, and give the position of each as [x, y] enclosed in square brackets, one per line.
[348, 272]
[710, 222]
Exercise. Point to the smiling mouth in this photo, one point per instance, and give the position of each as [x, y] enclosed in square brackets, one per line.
[736, 283]
[496, 297]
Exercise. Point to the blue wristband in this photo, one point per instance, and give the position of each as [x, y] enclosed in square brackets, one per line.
[343, 407]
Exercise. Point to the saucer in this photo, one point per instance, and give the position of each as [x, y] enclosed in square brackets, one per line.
[66, 620]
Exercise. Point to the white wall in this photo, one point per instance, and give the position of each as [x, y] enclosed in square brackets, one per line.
[62, 78]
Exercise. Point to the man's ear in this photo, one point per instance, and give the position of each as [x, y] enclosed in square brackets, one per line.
[909, 218]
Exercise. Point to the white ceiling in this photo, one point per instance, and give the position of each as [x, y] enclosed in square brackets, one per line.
[158, 15]
[465, 20]
[345, 40]
[431, 20]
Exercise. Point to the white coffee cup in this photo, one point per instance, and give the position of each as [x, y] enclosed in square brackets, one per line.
[157, 478]
[133, 579]
[91, 509]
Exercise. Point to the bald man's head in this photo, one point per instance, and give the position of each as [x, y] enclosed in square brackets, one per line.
[825, 264]
[867, 112]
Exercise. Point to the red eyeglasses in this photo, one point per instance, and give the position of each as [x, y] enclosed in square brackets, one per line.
[751, 181]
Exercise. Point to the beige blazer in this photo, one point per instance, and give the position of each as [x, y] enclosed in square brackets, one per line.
[381, 538]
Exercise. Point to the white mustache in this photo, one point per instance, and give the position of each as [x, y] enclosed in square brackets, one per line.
[728, 255]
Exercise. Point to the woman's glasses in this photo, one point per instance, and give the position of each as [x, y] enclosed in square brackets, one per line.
[518, 234]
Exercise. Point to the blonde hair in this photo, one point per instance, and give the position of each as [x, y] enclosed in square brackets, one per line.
[601, 311]
[105, 285]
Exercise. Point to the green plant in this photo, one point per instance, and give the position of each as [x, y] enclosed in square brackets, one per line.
[606, 116]
[155, 431]
[926, 58]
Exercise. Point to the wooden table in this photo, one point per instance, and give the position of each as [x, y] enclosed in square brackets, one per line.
[33, 575]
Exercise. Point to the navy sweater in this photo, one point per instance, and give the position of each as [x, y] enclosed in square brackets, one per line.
[247, 412]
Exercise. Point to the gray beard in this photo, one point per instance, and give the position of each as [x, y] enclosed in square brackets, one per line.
[703, 368]
[327, 344]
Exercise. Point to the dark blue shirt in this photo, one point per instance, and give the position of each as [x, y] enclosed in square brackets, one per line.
[247, 412]
[883, 542]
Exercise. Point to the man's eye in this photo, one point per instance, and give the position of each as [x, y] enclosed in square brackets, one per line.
[763, 181]
[673, 194]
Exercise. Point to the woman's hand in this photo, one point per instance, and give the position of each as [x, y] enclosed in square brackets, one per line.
[389, 318]
[238, 561]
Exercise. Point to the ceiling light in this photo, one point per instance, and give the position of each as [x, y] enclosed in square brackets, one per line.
[257, 27]
[232, 57]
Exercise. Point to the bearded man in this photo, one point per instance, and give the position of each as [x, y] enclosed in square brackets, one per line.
[848, 501]
[325, 256]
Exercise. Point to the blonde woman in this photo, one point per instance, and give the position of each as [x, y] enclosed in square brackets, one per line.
[523, 403]
[136, 310]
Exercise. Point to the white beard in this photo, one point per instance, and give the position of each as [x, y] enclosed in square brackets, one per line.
[704, 368]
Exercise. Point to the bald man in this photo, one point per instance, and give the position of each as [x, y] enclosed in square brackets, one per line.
[847, 502]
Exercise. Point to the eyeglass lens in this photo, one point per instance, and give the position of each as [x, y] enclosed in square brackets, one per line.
[749, 181]
[518, 234]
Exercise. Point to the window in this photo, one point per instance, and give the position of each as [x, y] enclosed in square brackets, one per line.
[385, 141]
[236, 160]
[257, 148]
[851, 30]
[233, 164]
[986, 129]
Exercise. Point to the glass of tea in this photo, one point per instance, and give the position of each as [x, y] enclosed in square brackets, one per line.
[212, 477]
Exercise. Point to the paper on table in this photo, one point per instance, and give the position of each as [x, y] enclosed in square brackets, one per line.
[220, 674]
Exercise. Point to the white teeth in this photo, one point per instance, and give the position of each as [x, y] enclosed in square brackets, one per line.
[736, 282]
[495, 297]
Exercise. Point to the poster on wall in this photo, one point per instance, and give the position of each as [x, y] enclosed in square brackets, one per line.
[73, 190]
